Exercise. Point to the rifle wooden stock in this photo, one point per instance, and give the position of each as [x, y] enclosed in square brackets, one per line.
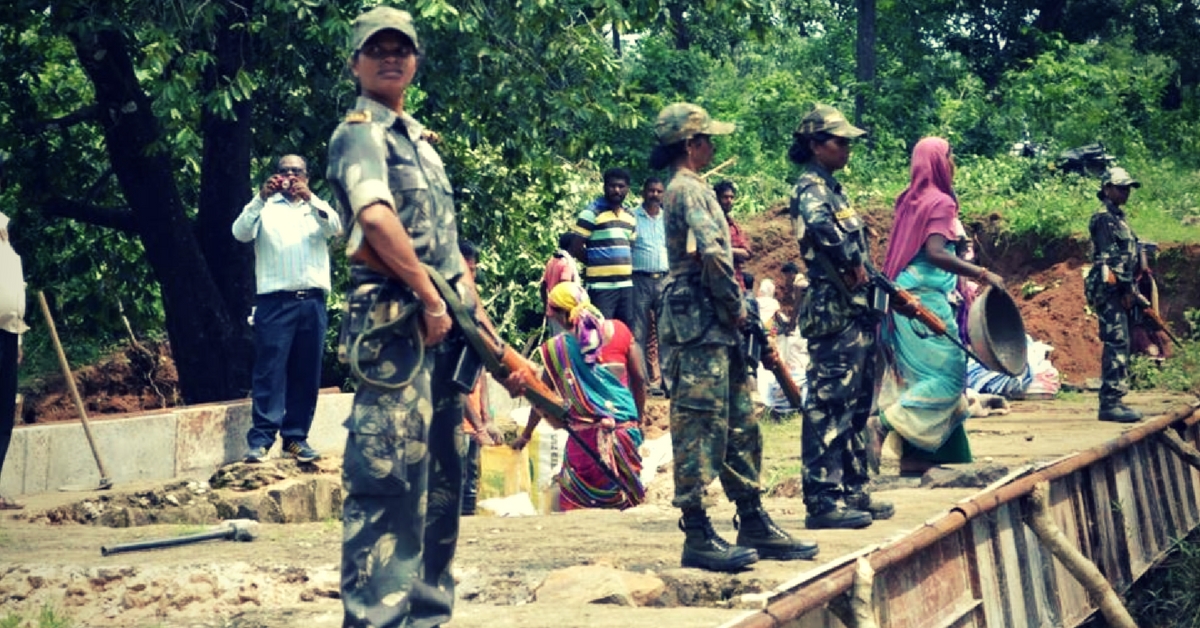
[1156, 321]
[505, 361]
[778, 367]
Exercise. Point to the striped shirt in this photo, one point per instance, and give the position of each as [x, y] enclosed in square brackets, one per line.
[650, 247]
[290, 250]
[609, 234]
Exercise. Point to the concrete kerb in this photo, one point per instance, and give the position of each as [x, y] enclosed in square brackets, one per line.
[187, 442]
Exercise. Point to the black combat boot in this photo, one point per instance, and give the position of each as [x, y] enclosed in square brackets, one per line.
[859, 499]
[823, 512]
[704, 549]
[1119, 413]
[755, 529]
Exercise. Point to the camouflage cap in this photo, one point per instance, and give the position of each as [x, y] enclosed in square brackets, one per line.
[1118, 177]
[683, 121]
[382, 19]
[826, 119]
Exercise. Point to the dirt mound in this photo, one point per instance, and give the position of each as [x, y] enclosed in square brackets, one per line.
[131, 379]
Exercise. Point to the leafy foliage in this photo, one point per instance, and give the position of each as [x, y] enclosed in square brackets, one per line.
[533, 101]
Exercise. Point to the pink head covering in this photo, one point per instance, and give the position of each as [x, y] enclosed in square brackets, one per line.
[927, 207]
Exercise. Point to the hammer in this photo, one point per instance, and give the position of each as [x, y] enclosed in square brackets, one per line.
[244, 530]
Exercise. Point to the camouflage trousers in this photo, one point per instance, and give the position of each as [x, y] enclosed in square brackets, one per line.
[1114, 359]
[833, 443]
[714, 431]
[403, 489]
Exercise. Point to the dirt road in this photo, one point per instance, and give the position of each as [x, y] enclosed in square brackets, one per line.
[288, 577]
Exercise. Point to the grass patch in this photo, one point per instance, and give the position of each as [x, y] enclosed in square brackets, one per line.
[1178, 373]
[47, 617]
[1166, 597]
[781, 450]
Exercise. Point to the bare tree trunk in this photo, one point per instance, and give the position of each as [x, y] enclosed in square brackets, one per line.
[682, 38]
[225, 189]
[198, 324]
[864, 59]
[616, 38]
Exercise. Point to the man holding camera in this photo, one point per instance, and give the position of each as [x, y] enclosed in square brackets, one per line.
[290, 228]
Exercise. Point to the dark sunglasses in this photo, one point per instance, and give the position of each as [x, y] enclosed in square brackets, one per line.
[379, 53]
[299, 172]
[840, 141]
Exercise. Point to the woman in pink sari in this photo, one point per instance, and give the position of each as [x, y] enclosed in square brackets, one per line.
[929, 370]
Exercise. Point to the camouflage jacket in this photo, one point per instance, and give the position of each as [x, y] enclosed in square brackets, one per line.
[1115, 247]
[826, 225]
[701, 299]
[379, 156]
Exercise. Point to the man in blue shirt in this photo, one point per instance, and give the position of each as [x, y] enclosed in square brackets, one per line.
[289, 227]
[649, 273]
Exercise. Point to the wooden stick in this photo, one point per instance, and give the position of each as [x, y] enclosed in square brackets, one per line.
[1099, 591]
[721, 166]
[1181, 447]
[105, 479]
[856, 609]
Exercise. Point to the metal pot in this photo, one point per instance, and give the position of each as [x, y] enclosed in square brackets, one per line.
[997, 332]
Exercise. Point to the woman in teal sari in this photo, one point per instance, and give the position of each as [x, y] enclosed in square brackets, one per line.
[602, 412]
[930, 372]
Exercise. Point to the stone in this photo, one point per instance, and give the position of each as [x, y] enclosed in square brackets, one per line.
[588, 584]
[963, 475]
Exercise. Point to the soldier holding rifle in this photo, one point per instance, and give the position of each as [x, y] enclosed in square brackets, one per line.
[402, 473]
[1111, 292]
[713, 428]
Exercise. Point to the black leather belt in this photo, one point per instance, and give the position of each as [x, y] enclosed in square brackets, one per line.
[298, 295]
[650, 275]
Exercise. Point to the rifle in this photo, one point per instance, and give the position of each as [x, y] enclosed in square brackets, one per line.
[757, 347]
[1156, 321]
[500, 359]
[909, 306]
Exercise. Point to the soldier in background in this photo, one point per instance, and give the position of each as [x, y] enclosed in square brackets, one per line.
[714, 430]
[1110, 291]
[837, 319]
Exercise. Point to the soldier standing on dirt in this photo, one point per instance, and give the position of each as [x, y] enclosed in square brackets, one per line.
[1110, 291]
[713, 427]
[402, 474]
[838, 320]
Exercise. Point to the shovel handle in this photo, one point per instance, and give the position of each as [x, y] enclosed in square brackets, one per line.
[105, 480]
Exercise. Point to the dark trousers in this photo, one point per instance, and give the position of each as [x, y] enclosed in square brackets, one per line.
[647, 292]
[1114, 358]
[8, 390]
[403, 488]
[616, 303]
[289, 340]
[833, 448]
[471, 476]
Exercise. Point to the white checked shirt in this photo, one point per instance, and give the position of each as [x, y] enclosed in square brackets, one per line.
[290, 241]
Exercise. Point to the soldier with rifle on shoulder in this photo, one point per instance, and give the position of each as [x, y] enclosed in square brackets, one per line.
[838, 318]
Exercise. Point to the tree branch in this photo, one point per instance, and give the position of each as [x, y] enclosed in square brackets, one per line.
[89, 113]
[119, 218]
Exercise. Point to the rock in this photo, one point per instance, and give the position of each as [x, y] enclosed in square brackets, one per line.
[963, 476]
[597, 584]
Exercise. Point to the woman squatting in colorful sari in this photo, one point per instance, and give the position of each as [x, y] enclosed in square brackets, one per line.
[602, 412]
[929, 370]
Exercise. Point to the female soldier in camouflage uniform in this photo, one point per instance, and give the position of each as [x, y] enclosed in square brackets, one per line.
[1110, 291]
[837, 319]
[402, 473]
[713, 428]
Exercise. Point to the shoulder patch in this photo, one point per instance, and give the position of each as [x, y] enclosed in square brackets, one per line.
[358, 116]
[431, 136]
